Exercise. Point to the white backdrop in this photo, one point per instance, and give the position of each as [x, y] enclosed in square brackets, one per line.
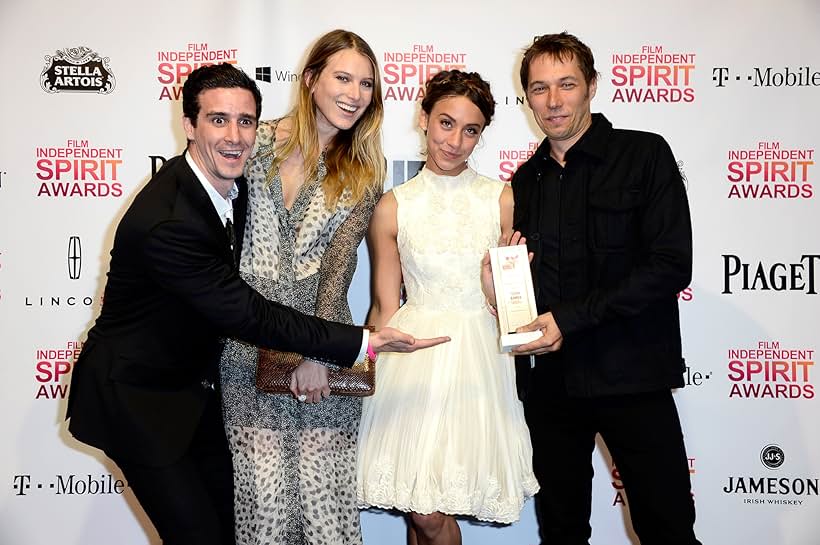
[733, 86]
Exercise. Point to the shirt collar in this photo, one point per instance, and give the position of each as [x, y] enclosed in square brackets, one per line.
[223, 206]
[594, 141]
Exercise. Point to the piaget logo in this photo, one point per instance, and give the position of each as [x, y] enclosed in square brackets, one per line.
[799, 275]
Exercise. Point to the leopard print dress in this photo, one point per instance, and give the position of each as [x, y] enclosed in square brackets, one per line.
[294, 463]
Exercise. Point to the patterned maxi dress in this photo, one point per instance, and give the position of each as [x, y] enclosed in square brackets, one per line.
[294, 463]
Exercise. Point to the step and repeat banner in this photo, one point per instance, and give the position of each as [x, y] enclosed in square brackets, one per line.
[91, 100]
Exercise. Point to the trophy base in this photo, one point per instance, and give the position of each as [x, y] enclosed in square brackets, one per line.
[511, 340]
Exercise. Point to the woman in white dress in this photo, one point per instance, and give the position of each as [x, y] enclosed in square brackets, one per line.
[444, 434]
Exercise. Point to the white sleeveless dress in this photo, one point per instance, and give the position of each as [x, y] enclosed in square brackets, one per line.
[445, 430]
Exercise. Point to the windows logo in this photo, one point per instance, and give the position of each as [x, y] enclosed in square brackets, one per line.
[263, 73]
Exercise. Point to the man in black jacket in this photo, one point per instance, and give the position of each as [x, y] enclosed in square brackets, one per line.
[605, 214]
[145, 387]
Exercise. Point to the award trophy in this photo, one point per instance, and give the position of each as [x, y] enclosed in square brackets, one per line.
[514, 295]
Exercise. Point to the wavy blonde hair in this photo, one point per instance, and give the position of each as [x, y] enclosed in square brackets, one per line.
[354, 157]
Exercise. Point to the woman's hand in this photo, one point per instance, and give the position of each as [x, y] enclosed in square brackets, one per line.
[308, 382]
[487, 286]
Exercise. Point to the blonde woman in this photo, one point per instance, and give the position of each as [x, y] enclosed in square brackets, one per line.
[313, 181]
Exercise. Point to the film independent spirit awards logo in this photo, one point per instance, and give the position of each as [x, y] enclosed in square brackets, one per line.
[77, 70]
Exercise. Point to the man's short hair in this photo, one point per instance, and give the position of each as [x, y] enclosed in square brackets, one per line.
[563, 47]
[216, 76]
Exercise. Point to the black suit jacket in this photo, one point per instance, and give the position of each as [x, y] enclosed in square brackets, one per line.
[139, 387]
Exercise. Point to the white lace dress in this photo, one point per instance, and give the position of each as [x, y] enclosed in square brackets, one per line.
[445, 430]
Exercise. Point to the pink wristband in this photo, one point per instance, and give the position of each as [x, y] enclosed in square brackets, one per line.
[369, 352]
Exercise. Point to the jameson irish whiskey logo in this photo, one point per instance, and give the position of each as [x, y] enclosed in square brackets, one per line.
[77, 70]
[786, 489]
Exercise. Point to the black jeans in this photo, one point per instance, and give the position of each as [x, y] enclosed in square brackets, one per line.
[191, 500]
[643, 434]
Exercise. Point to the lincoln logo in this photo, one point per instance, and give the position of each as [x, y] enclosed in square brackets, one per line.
[75, 258]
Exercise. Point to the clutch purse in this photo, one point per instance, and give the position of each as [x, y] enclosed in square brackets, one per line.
[274, 368]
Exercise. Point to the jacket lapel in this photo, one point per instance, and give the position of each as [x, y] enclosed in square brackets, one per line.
[200, 200]
[240, 209]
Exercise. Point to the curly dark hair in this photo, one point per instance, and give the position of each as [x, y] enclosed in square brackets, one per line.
[455, 83]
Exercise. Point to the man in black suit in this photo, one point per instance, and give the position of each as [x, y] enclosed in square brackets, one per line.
[145, 388]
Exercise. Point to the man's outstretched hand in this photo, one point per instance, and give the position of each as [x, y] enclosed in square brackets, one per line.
[390, 339]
